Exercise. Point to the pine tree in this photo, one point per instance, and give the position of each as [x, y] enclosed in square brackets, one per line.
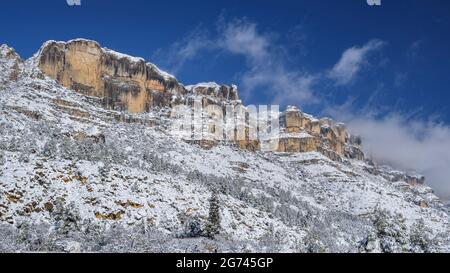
[66, 216]
[213, 226]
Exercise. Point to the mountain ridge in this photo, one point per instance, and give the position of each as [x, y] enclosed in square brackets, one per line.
[75, 166]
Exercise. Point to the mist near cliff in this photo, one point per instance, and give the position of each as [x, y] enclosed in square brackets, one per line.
[411, 145]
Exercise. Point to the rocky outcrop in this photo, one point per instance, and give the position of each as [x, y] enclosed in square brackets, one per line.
[304, 133]
[215, 91]
[298, 144]
[124, 83]
[129, 84]
[11, 64]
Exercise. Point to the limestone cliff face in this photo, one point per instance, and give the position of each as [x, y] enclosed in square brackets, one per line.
[125, 83]
[303, 133]
[221, 92]
[130, 84]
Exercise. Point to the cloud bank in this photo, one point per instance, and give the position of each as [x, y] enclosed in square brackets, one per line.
[412, 145]
[393, 138]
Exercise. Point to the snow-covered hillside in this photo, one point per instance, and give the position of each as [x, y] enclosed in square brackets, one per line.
[77, 177]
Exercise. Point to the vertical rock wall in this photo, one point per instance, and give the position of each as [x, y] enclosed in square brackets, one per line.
[125, 83]
[130, 84]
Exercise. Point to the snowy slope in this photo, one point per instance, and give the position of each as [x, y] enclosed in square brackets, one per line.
[65, 162]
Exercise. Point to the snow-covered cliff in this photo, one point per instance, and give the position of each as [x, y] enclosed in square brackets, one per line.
[92, 178]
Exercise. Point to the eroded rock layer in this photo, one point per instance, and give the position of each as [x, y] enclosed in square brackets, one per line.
[304, 133]
[125, 83]
[130, 84]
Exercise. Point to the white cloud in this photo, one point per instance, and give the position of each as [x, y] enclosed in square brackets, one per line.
[285, 87]
[176, 56]
[405, 143]
[268, 71]
[352, 61]
[413, 51]
[242, 37]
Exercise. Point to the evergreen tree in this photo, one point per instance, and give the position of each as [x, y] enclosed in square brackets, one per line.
[66, 217]
[213, 226]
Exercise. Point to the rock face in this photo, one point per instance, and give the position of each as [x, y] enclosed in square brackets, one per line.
[221, 92]
[303, 133]
[130, 84]
[125, 83]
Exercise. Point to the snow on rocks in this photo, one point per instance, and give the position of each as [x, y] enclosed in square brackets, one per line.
[140, 175]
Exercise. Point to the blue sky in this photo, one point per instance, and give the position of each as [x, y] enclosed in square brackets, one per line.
[411, 71]
[385, 70]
